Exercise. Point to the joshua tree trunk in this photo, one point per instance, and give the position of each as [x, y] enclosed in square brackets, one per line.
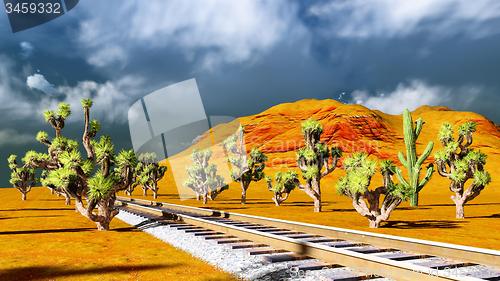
[317, 204]
[155, 194]
[144, 191]
[68, 200]
[205, 199]
[23, 196]
[280, 198]
[374, 223]
[316, 195]
[276, 200]
[459, 206]
[460, 211]
[244, 187]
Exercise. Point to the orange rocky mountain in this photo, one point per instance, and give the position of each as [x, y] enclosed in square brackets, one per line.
[276, 131]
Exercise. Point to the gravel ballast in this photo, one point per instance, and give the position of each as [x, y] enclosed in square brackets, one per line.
[237, 262]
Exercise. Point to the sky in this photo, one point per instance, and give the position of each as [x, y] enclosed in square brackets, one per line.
[246, 56]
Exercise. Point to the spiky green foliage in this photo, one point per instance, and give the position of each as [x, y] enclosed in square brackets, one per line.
[104, 149]
[284, 183]
[62, 178]
[96, 177]
[147, 157]
[312, 127]
[21, 177]
[412, 162]
[460, 163]
[360, 170]
[100, 186]
[49, 115]
[315, 160]
[95, 126]
[148, 173]
[202, 176]
[244, 168]
[42, 137]
[63, 110]
[57, 118]
[86, 103]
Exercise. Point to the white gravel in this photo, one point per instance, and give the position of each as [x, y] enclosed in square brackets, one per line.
[237, 262]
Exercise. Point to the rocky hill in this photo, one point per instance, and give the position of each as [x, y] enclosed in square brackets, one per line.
[276, 131]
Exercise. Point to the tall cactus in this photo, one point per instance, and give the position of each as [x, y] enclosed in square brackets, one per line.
[413, 162]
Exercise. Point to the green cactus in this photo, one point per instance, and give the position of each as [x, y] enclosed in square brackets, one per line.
[412, 161]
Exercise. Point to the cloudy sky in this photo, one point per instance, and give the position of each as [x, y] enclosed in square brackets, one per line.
[247, 56]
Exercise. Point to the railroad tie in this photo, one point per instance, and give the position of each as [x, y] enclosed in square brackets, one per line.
[289, 256]
[248, 245]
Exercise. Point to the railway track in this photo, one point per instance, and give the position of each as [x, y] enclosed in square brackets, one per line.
[370, 256]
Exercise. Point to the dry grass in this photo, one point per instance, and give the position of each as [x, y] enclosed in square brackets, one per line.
[433, 220]
[42, 239]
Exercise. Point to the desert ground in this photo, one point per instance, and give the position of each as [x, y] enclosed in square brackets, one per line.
[434, 219]
[42, 239]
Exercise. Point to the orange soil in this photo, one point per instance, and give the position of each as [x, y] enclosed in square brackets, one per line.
[276, 131]
[433, 220]
[42, 239]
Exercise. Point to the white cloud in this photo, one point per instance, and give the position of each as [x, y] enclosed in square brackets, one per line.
[26, 49]
[395, 18]
[12, 102]
[111, 99]
[213, 31]
[13, 137]
[107, 55]
[38, 81]
[414, 94]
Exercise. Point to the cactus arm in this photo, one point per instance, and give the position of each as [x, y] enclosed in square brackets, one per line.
[419, 124]
[402, 159]
[401, 178]
[428, 175]
[426, 154]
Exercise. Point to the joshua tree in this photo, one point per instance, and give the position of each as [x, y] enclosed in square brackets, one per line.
[244, 169]
[355, 184]
[460, 163]
[148, 173]
[412, 162]
[314, 161]
[57, 118]
[21, 177]
[65, 170]
[285, 183]
[203, 178]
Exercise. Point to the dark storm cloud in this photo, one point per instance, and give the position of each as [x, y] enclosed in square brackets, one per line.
[272, 52]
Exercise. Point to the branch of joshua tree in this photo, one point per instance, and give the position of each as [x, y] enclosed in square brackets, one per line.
[441, 168]
[330, 168]
[464, 163]
[87, 137]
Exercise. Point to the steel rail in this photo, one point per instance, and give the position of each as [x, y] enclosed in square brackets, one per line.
[397, 270]
[446, 250]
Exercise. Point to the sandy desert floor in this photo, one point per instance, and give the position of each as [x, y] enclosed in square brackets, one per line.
[42, 239]
[433, 220]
